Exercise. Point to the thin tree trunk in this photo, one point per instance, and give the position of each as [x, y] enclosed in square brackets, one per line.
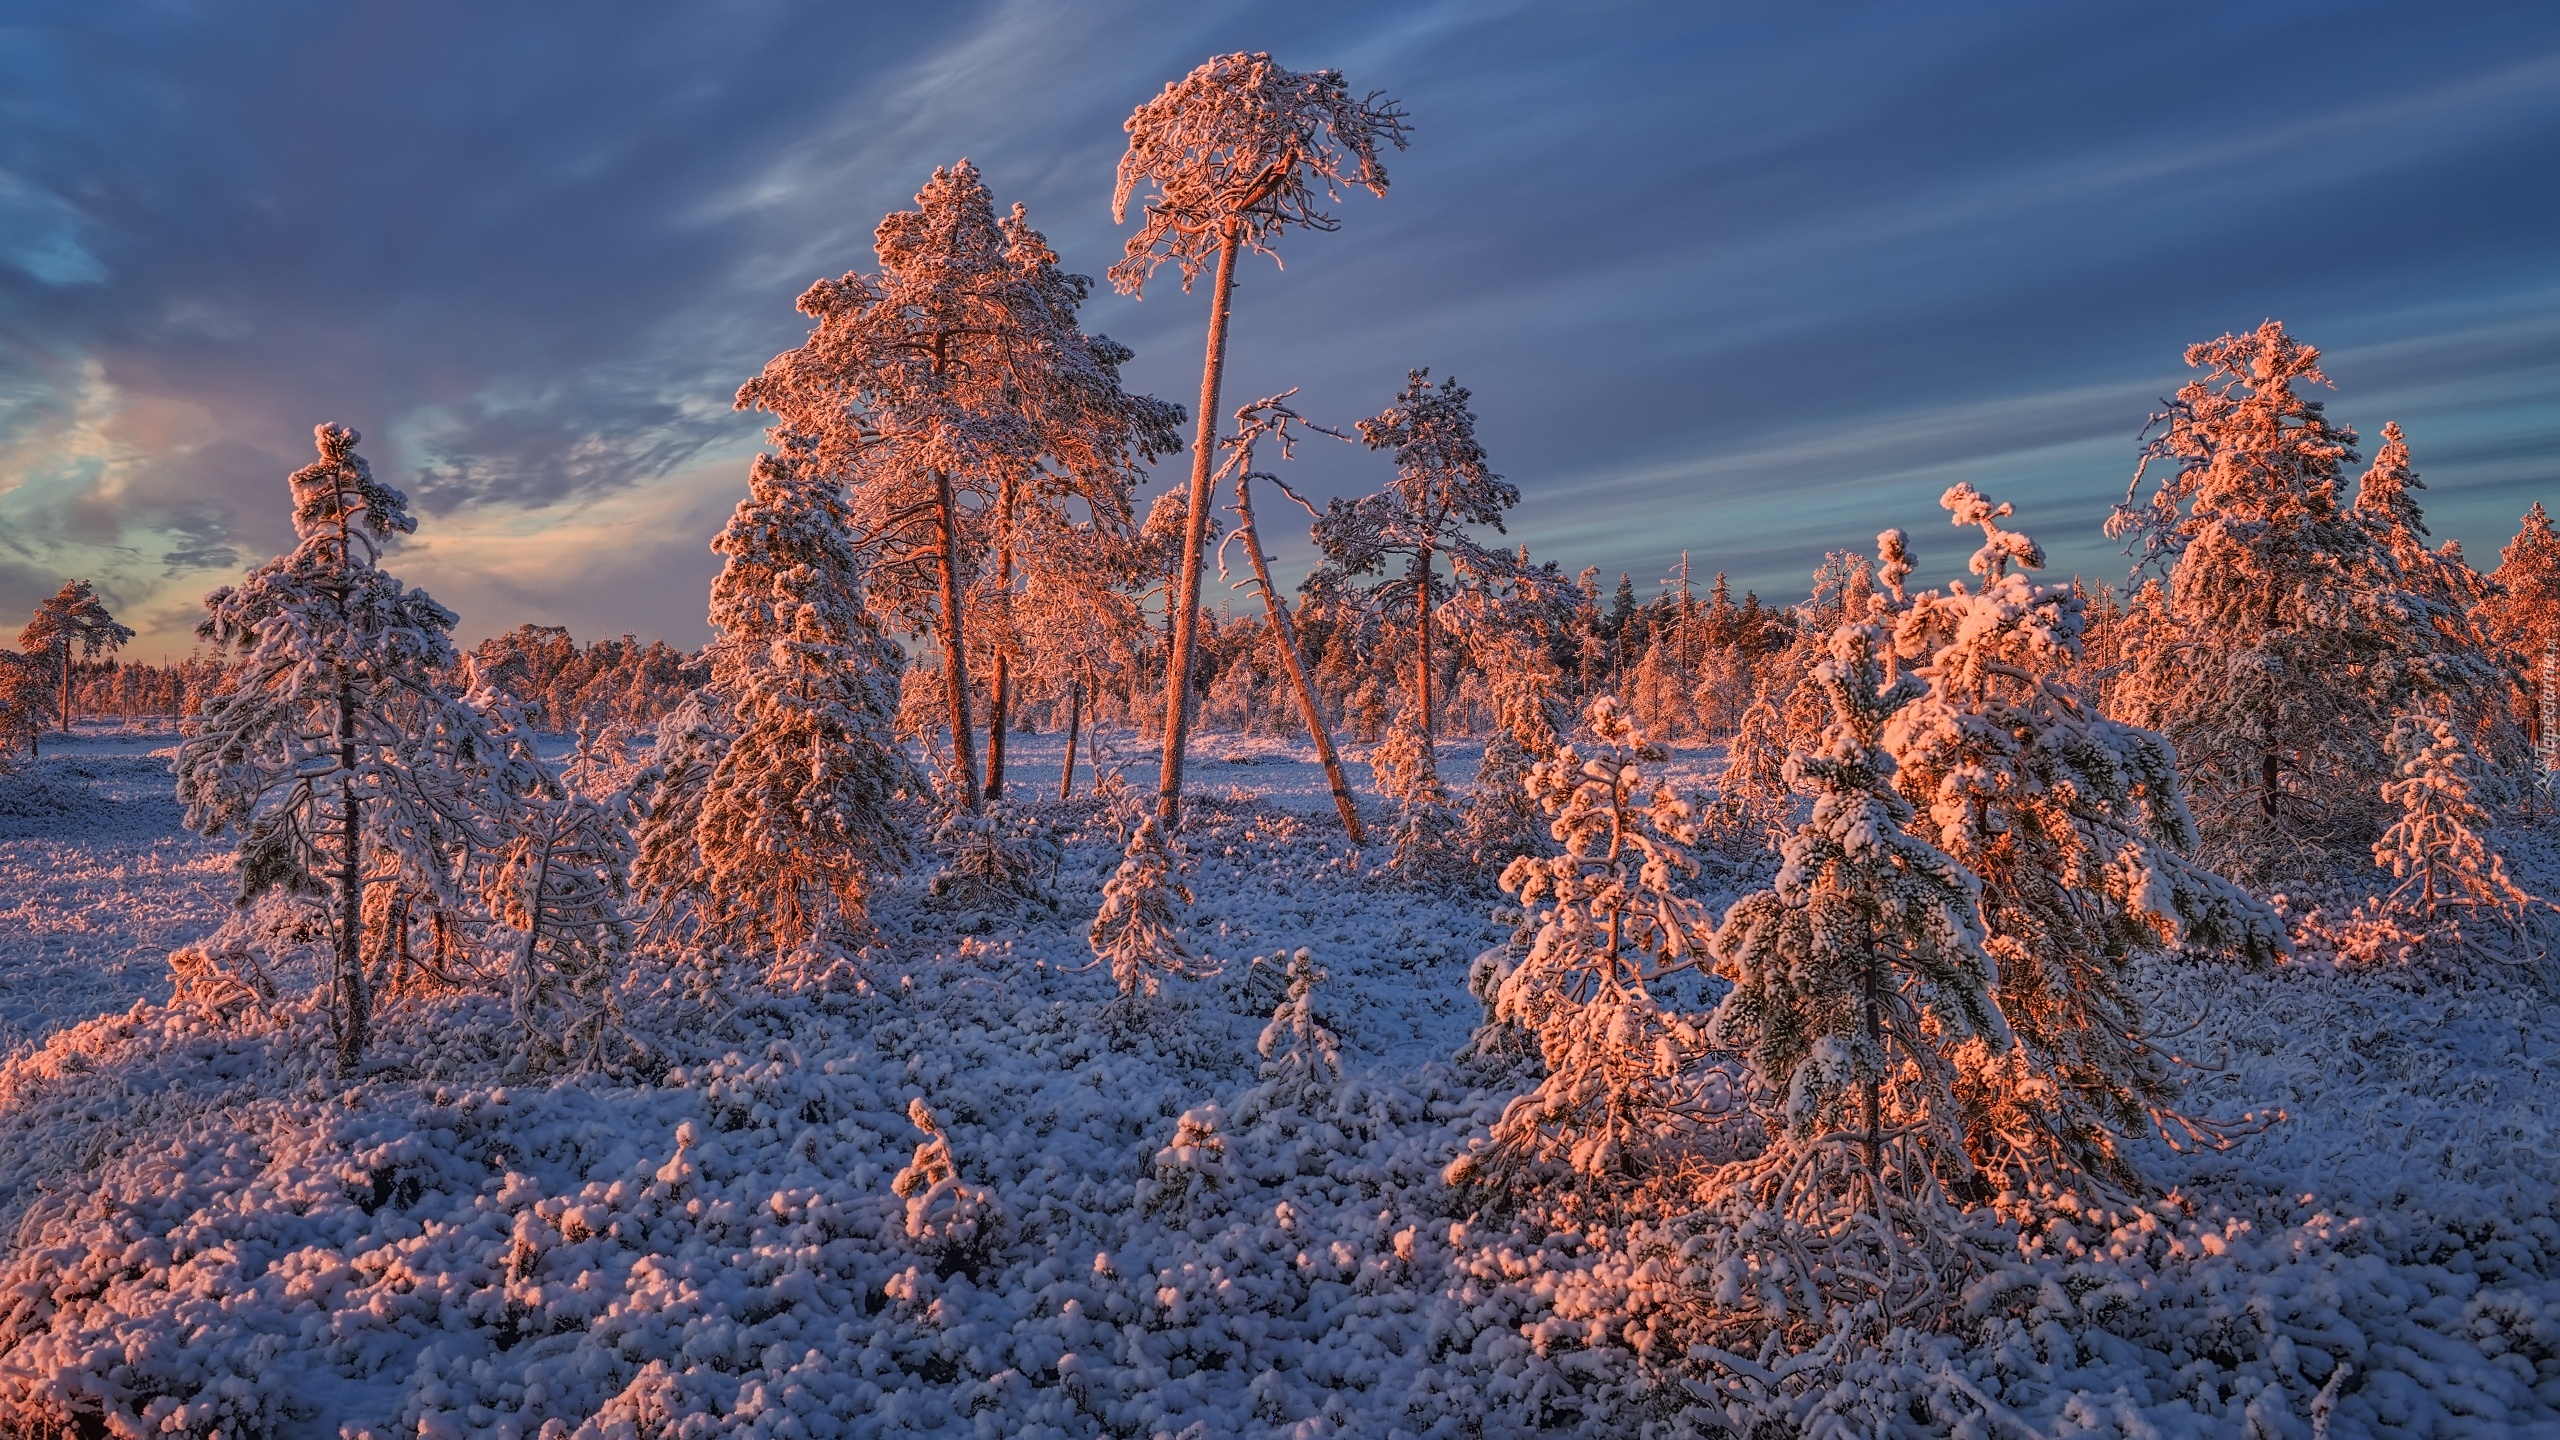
[66, 689]
[956, 644]
[1177, 680]
[1422, 663]
[1075, 717]
[1287, 635]
[1000, 690]
[955, 649]
[351, 1036]
[533, 929]
[1873, 1004]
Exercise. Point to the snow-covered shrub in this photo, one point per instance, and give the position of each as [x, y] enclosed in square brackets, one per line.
[1190, 1176]
[959, 1224]
[1613, 918]
[605, 762]
[561, 883]
[1500, 1045]
[994, 858]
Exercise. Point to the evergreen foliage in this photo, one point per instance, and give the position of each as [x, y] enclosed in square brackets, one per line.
[2073, 825]
[1612, 920]
[336, 754]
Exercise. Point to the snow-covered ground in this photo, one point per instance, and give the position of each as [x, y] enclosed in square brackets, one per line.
[211, 1233]
[99, 880]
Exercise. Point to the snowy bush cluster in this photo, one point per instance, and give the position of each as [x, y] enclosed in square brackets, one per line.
[2057, 1017]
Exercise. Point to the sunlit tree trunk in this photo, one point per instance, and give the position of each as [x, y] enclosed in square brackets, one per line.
[1286, 634]
[1186, 618]
[1075, 717]
[1000, 686]
[955, 649]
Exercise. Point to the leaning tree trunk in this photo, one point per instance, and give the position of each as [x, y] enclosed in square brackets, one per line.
[351, 1036]
[955, 649]
[1287, 636]
[1000, 686]
[1075, 717]
[1195, 529]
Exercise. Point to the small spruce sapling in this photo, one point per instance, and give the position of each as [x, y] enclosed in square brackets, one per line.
[1138, 931]
[2434, 849]
[1612, 920]
[1301, 1068]
[562, 883]
[994, 857]
[960, 1224]
[1427, 835]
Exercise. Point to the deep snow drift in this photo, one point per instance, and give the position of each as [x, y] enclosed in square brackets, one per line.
[1134, 1233]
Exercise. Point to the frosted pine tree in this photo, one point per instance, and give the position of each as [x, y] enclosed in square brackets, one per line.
[2073, 825]
[72, 622]
[561, 883]
[2429, 606]
[23, 702]
[2276, 669]
[1753, 799]
[2435, 849]
[2521, 615]
[336, 754]
[795, 814]
[1236, 153]
[1859, 970]
[1444, 484]
[1611, 919]
[954, 371]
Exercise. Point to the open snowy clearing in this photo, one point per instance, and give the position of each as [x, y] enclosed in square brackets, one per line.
[210, 1232]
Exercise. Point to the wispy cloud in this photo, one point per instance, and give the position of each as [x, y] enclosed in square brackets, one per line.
[1722, 279]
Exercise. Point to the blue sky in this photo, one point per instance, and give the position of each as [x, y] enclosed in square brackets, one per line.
[1753, 281]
